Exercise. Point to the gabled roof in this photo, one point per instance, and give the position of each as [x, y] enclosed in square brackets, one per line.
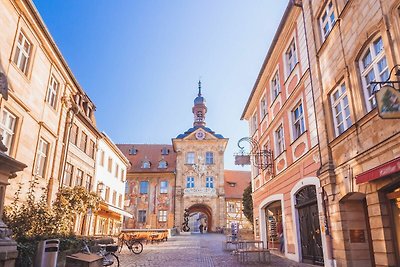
[191, 130]
[151, 153]
[235, 183]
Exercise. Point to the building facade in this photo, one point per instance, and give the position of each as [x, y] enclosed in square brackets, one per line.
[150, 186]
[288, 209]
[109, 182]
[235, 184]
[353, 43]
[351, 167]
[200, 182]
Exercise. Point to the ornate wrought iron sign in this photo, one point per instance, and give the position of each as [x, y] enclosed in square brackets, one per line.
[260, 158]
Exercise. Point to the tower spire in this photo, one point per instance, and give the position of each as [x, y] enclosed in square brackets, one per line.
[199, 109]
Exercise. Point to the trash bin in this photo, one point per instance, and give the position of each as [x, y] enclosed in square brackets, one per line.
[47, 253]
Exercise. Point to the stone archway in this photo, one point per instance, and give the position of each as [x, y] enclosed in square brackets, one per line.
[201, 208]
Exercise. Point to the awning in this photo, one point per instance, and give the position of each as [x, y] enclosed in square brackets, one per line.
[108, 207]
[383, 170]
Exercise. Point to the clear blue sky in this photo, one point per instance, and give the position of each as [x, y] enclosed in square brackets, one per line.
[140, 61]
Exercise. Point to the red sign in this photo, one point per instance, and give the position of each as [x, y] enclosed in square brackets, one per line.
[388, 168]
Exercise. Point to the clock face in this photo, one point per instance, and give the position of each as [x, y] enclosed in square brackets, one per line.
[200, 135]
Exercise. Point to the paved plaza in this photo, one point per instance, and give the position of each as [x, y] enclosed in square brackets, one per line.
[191, 251]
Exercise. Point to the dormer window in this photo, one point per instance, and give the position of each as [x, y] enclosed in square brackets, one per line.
[164, 151]
[133, 151]
[162, 164]
[231, 184]
[146, 164]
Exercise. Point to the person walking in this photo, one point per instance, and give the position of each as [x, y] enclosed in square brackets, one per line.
[201, 228]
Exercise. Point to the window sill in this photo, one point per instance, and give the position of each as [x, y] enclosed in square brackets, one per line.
[298, 137]
[23, 74]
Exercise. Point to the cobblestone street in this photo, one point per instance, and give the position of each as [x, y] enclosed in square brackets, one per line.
[191, 251]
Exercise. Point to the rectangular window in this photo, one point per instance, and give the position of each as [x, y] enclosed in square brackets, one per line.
[275, 86]
[84, 139]
[291, 58]
[122, 175]
[7, 129]
[162, 215]
[327, 20]
[110, 161]
[209, 158]
[89, 182]
[144, 187]
[107, 197]
[120, 201]
[79, 178]
[102, 156]
[142, 216]
[69, 169]
[52, 92]
[116, 170]
[210, 182]
[254, 123]
[22, 53]
[263, 108]
[340, 110]
[190, 158]
[298, 121]
[231, 207]
[114, 198]
[91, 149]
[190, 182]
[41, 157]
[73, 136]
[279, 140]
[164, 187]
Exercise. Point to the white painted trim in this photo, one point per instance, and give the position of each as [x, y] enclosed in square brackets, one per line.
[296, 229]
[262, 223]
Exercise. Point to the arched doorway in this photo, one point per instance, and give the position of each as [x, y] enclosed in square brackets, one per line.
[199, 213]
[310, 233]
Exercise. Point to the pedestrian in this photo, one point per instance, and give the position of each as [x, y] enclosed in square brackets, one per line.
[281, 238]
[201, 228]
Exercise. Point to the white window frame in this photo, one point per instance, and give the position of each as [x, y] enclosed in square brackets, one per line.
[279, 140]
[7, 129]
[52, 92]
[162, 164]
[372, 67]
[79, 177]
[326, 19]
[254, 123]
[142, 216]
[68, 174]
[22, 55]
[209, 158]
[162, 215]
[275, 86]
[189, 182]
[209, 182]
[190, 156]
[163, 187]
[41, 157]
[338, 106]
[291, 57]
[298, 123]
[263, 107]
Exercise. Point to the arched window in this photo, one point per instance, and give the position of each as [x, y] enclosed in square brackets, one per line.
[162, 164]
[373, 67]
[146, 164]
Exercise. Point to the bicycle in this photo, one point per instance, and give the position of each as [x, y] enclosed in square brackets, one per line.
[106, 252]
[134, 245]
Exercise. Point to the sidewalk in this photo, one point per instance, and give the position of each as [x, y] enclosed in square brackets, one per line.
[192, 251]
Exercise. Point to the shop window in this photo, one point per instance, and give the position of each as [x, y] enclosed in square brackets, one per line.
[273, 214]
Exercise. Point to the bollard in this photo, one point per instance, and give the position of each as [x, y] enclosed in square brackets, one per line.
[47, 253]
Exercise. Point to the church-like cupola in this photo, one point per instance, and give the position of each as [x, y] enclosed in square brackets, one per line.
[199, 109]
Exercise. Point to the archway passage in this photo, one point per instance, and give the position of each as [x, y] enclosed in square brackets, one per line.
[201, 211]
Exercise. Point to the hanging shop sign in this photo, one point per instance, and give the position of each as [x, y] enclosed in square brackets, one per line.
[388, 101]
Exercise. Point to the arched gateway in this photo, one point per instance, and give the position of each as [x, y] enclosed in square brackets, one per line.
[198, 214]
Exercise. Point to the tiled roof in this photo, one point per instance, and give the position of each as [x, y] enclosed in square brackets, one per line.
[151, 153]
[240, 180]
[191, 130]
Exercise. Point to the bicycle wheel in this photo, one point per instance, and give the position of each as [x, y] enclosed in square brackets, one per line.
[110, 259]
[136, 247]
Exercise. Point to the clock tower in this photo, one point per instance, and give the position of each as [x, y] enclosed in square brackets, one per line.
[199, 189]
[199, 109]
